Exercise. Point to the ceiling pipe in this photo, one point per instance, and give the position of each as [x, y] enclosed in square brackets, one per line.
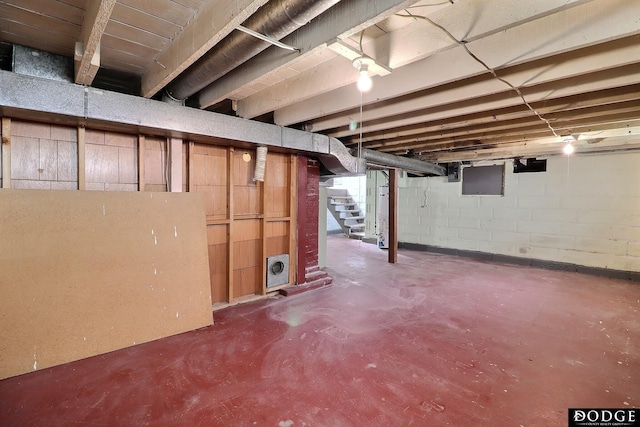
[399, 162]
[276, 19]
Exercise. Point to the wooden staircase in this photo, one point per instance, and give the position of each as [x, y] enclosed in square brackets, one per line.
[345, 210]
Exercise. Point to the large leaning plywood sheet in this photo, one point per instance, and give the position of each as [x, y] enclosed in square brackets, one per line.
[84, 273]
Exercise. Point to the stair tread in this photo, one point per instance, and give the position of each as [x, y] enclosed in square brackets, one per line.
[340, 197]
[354, 217]
[360, 225]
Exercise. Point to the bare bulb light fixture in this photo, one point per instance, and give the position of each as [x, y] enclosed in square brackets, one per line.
[568, 148]
[362, 64]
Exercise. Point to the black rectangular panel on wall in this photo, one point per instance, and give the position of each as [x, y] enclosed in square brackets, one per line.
[483, 180]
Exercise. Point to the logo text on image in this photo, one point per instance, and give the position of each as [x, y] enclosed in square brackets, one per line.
[600, 417]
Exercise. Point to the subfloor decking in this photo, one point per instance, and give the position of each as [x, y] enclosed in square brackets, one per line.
[432, 341]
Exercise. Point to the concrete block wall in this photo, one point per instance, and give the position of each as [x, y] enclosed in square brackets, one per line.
[583, 210]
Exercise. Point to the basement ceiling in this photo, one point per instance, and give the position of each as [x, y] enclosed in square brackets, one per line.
[457, 80]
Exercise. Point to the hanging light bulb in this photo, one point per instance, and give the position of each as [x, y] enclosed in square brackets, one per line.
[568, 148]
[364, 80]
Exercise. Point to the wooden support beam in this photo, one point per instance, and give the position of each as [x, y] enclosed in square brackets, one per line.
[175, 170]
[293, 218]
[230, 235]
[393, 216]
[141, 151]
[6, 152]
[87, 50]
[82, 182]
[191, 184]
[262, 187]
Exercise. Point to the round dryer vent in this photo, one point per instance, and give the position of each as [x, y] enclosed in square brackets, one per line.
[277, 270]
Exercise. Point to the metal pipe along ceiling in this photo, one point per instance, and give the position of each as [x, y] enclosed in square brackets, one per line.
[276, 19]
[391, 160]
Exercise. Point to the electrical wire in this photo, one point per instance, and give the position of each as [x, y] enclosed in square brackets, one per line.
[491, 70]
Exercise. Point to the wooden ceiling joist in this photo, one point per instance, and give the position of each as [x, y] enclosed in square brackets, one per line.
[214, 22]
[87, 50]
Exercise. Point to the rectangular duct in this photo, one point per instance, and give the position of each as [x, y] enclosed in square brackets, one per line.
[36, 63]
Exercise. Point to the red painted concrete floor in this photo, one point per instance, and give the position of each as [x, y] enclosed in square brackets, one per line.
[432, 341]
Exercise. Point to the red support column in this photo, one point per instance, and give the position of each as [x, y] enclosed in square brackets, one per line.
[308, 270]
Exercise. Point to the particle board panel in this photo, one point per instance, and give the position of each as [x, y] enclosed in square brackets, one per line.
[84, 273]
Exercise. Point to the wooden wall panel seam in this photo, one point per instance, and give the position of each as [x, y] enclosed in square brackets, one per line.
[6, 152]
[141, 152]
[82, 182]
[230, 184]
[293, 215]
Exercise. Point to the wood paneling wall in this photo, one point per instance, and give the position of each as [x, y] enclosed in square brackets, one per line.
[247, 221]
[43, 156]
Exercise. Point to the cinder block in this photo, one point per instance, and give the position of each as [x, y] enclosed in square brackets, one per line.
[463, 201]
[498, 202]
[552, 241]
[495, 247]
[554, 215]
[530, 185]
[605, 231]
[604, 217]
[498, 224]
[624, 204]
[603, 246]
[447, 211]
[434, 221]
[511, 214]
[586, 202]
[477, 213]
[445, 232]
[473, 234]
[545, 227]
[537, 202]
[463, 222]
[510, 237]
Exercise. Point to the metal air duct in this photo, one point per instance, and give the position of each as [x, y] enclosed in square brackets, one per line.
[276, 19]
[398, 162]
